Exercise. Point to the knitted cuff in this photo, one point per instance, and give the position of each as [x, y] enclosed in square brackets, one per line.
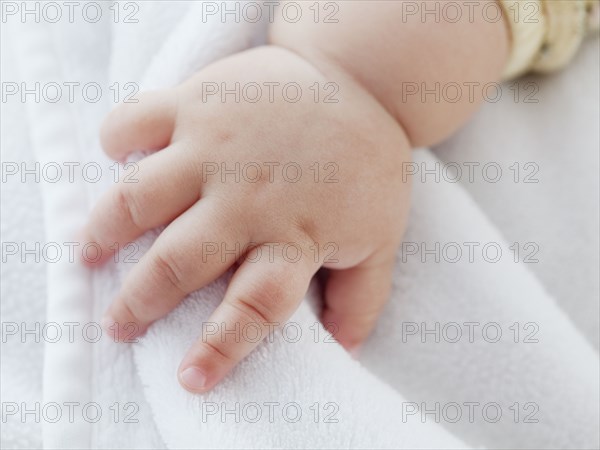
[546, 34]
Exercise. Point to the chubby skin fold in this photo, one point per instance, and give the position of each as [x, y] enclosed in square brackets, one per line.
[368, 134]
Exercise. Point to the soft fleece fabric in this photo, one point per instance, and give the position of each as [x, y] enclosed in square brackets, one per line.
[556, 377]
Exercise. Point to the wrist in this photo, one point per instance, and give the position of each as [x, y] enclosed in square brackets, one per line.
[389, 58]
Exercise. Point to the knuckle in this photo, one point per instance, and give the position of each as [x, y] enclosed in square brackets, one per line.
[132, 311]
[128, 207]
[308, 232]
[217, 351]
[264, 305]
[255, 312]
[164, 267]
[136, 306]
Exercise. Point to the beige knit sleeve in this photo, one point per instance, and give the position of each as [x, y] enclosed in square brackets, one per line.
[546, 34]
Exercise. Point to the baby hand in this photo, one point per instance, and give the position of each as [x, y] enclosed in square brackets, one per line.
[293, 186]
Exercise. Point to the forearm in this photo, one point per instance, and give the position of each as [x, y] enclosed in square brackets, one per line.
[391, 54]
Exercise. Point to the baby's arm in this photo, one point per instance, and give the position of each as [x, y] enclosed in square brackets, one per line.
[391, 50]
[373, 57]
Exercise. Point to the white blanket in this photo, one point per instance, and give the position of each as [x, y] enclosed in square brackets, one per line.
[533, 386]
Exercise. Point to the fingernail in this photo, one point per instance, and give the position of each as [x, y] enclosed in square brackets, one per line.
[193, 379]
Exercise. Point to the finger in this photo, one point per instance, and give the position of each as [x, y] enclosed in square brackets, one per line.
[354, 299]
[162, 188]
[145, 125]
[188, 255]
[261, 296]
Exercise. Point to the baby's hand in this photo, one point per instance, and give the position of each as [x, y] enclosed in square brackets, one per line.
[287, 187]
